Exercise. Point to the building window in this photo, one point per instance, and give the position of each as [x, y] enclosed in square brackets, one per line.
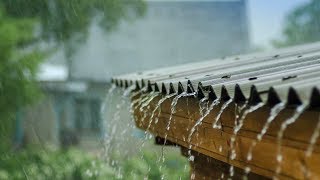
[87, 116]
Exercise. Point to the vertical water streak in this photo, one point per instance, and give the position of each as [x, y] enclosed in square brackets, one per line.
[103, 113]
[107, 99]
[110, 138]
[238, 126]
[244, 115]
[174, 104]
[138, 101]
[299, 110]
[147, 104]
[199, 121]
[223, 107]
[157, 107]
[202, 104]
[173, 110]
[151, 96]
[273, 114]
[313, 139]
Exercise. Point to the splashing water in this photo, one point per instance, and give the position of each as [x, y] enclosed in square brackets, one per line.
[149, 99]
[103, 113]
[313, 139]
[299, 110]
[273, 114]
[157, 107]
[202, 104]
[199, 121]
[238, 126]
[244, 115]
[107, 99]
[223, 107]
[231, 171]
[147, 104]
[174, 104]
[111, 137]
[137, 102]
[173, 110]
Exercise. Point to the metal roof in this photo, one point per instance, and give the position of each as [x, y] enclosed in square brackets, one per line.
[290, 75]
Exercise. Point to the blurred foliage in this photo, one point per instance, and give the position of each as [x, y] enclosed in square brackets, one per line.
[24, 24]
[68, 21]
[18, 67]
[302, 25]
[39, 163]
[150, 165]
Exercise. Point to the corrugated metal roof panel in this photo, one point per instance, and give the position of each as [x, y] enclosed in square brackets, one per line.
[290, 75]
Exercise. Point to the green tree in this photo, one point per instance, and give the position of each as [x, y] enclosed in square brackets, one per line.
[24, 24]
[65, 23]
[18, 65]
[302, 25]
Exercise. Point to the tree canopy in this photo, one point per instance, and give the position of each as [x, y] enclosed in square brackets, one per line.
[62, 20]
[24, 24]
[302, 25]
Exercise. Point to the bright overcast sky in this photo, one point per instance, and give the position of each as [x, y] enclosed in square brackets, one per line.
[266, 18]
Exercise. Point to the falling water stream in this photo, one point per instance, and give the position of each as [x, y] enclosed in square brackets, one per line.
[142, 108]
[223, 107]
[198, 123]
[313, 139]
[111, 136]
[158, 107]
[203, 104]
[143, 101]
[174, 104]
[273, 114]
[173, 110]
[238, 125]
[145, 111]
[299, 110]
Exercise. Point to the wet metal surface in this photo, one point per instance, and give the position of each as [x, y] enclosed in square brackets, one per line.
[290, 75]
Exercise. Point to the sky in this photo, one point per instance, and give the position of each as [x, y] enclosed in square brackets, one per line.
[266, 18]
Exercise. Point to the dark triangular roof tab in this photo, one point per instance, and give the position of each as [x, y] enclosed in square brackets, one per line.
[254, 96]
[163, 89]
[137, 85]
[126, 84]
[200, 92]
[171, 89]
[238, 95]
[156, 88]
[293, 98]
[224, 94]
[315, 98]
[180, 88]
[190, 88]
[212, 94]
[149, 87]
[273, 97]
[142, 83]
